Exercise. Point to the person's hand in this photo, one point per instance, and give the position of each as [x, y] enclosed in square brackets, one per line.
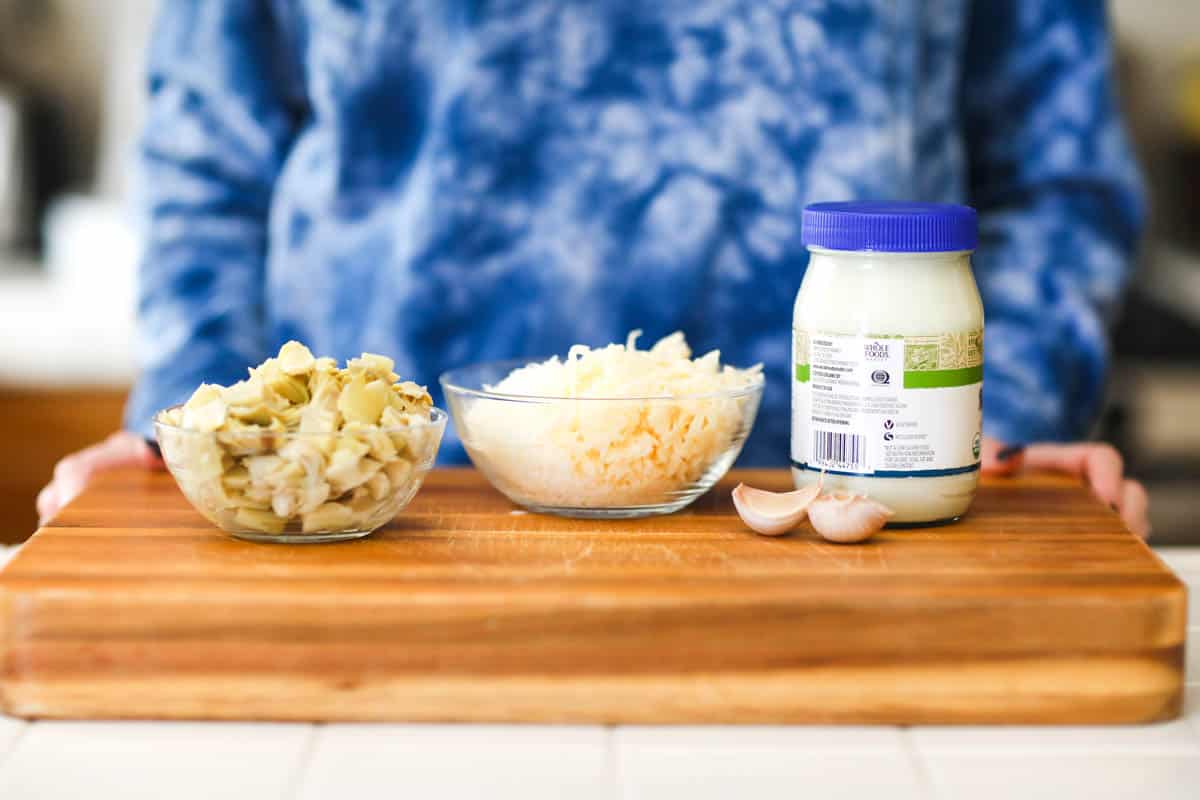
[73, 473]
[1098, 464]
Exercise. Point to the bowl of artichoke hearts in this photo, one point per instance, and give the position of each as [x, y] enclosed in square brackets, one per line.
[303, 451]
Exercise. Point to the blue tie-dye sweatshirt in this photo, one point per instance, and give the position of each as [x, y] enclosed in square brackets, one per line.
[447, 181]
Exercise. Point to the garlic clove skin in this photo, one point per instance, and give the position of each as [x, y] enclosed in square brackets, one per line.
[773, 513]
[847, 518]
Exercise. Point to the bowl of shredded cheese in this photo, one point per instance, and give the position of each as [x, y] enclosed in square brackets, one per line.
[608, 432]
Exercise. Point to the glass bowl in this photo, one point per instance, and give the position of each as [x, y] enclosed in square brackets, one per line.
[291, 487]
[618, 457]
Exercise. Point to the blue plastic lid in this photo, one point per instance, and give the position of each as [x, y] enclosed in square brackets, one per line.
[890, 227]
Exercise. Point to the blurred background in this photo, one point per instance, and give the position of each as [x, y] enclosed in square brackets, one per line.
[70, 104]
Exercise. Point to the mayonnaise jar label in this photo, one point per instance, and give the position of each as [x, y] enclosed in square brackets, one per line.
[887, 406]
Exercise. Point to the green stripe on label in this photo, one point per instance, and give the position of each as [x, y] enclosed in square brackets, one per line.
[802, 372]
[941, 378]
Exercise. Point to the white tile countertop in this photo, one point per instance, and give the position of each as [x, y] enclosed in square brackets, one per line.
[257, 761]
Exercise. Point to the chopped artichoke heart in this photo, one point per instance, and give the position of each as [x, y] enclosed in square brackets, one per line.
[346, 473]
[213, 495]
[294, 389]
[243, 440]
[303, 452]
[314, 492]
[243, 500]
[329, 517]
[355, 447]
[391, 418]
[321, 413]
[259, 520]
[206, 414]
[380, 446]
[260, 467]
[247, 394]
[398, 473]
[289, 417]
[203, 394]
[236, 478]
[378, 486]
[296, 359]
[300, 442]
[374, 365]
[363, 402]
[257, 496]
[204, 457]
[361, 501]
[285, 502]
[291, 389]
[259, 415]
[414, 396]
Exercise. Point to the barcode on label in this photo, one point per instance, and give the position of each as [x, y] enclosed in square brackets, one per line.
[840, 450]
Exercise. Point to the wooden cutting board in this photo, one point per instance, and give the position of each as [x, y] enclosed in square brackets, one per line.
[1038, 607]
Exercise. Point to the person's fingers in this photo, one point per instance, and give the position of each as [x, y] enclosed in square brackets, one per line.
[72, 474]
[1135, 508]
[138, 450]
[1104, 470]
[1098, 464]
[124, 449]
[998, 458]
[152, 459]
[47, 504]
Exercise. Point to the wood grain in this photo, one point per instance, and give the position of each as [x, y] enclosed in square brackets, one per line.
[37, 428]
[1039, 607]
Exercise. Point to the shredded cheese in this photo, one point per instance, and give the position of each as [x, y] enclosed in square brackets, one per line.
[613, 426]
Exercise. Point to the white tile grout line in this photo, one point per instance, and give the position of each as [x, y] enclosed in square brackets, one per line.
[919, 765]
[296, 783]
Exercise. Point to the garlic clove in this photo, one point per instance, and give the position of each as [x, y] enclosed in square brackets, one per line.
[773, 513]
[846, 518]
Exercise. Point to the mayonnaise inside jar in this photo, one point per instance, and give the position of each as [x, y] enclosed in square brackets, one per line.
[887, 383]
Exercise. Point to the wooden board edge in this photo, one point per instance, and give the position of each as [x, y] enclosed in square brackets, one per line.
[8, 705]
[1103, 692]
[1175, 585]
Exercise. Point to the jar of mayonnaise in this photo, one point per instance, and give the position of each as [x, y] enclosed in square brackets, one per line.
[887, 389]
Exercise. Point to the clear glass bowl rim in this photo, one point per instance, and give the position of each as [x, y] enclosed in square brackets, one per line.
[437, 420]
[452, 383]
